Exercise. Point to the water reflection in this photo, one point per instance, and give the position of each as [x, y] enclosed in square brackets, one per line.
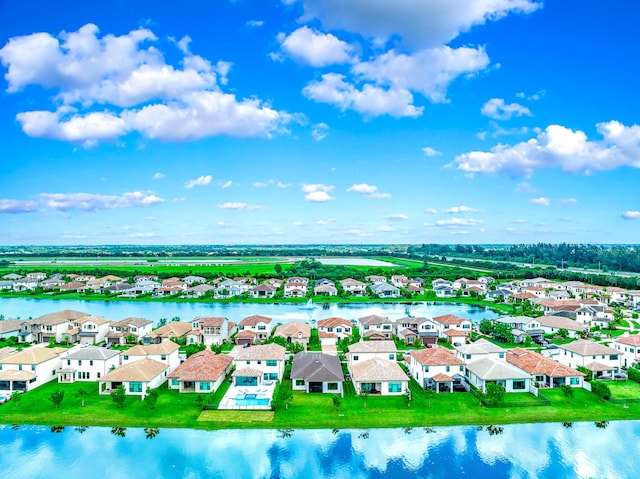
[511, 451]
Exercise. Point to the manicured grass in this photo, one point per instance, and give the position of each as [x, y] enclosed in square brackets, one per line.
[624, 389]
[305, 411]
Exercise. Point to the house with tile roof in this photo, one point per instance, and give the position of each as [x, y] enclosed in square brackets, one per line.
[267, 360]
[294, 332]
[29, 369]
[379, 377]
[603, 361]
[253, 329]
[478, 350]
[353, 287]
[202, 372]
[546, 372]
[435, 368]
[553, 324]
[208, 330]
[164, 352]
[317, 373]
[263, 290]
[137, 377]
[375, 327]
[92, 329]
[451, 321]
[172, 330]
[55, 325]
[629, 348]
[136, 327]
[88, 363]
[332, 329]
[488, 370]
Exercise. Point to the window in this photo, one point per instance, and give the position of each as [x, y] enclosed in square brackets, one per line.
[395, 387]
[259, 362]
[426, 369]
[272, 362]
[98, 375]
[355, 358]
[135, 387]
[332, 386]
[461, 368]
[338, 330]
[91, 362]
[126, 357]
[468, 356]
[330, 330]
[205, 386]
[518, 384]
[53, 373]
[613, 357]
[68, 362]
[386, 327]
[33, 367]
[248, 362]
[262, 328]
[175, 382]
[270, 376]
[448, 368]
[79, 362]
[392, 357]
[19, 367]
[366, 327]
[466, 326]
[501, 355]
[574, 381]
[299, 382]
[163, 357]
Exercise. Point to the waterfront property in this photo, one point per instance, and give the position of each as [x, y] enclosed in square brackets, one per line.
[478, 350]
[332, 329]
[172, 330]
[260, 362]
[376, 327]
[26, 370]
[87, 364]
[317, 373]
[488, 370]
[629, 348]
[451, 321]
[374, 369]
[202, 372]
[136, 328]
[136, 377]
[166, 352]
[209, 330]
[545, 371]
[601, 360]
[436, 368]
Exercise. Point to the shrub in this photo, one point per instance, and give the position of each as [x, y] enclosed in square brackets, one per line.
[601, 389]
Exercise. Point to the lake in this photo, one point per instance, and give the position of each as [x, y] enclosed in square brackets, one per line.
[512, 451]
[281, 313]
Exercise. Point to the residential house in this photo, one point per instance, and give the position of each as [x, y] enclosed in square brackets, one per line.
[332, 329]
[263, 290]
[545, 371]
[200, 290]
[478, 350]
[203, 372]
[6, 285]
[172, 330]
[412, 330]
[603, 361]
[208, 331]
[353, 287]
[444, 291]
[486, 279]
[253, 329]
[451, 321]
[88, 364]
[193, 280]
[54, 325]
[135, 328]
[13, 327]
[488, 370]
[29, 369]
[385, 290]
[52, 283]
[166, 352]
[92, 329]
[294, 332]
[399, 280]
[36, 276]
[375, 327]
[629, 348]
[375, 279]
[325, 290]
[436, 368]
[257, 364]
[25, 284]
[295, 288]
[136, 377]
[437, 283]
[317, 373]
[522, 326]
[374, 369]
[228, 288]
[553, 324]
[12, 277]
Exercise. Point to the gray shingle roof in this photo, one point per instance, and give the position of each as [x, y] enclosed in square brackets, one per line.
[316, 367]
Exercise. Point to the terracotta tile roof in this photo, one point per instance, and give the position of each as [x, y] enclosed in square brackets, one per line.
[596, 366]
[442, 378]
[214, 322]
[16, 375]
[633, 340]
[455, 333]
[537, 364]
[94, 319]
[263, 352]
[246, 334]
[34, 356]
[560, 323]
[250, 372]
[142, 370]
[588, 348]
[165, 347]
[202, 366]
[255, 319]
[449, 319]
[374, 319]
[294, 329]
[59, 317]
[494, 370]
[334, 322]
[137, 322]
[523, 296]
[436, 356]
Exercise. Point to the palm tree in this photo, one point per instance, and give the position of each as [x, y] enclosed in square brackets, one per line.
[82, 393]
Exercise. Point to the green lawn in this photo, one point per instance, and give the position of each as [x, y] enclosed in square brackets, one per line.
[624, 389]
[305, 411]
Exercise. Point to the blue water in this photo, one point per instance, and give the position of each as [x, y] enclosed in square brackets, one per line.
[246, 401]
[281, 313]
[524, 451]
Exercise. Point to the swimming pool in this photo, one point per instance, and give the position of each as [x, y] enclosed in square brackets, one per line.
[246, 400]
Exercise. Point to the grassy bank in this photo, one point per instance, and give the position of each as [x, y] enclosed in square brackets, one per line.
[306, 411]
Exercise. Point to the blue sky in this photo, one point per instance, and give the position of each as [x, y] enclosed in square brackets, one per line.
[319, 121]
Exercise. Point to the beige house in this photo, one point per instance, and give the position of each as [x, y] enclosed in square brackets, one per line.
[601, 360]
[294, 332]
[174, 329]
[26, 370]
[166, 352]
[202, 372]
[137, 377]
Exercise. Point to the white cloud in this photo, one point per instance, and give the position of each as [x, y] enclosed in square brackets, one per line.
[94, 202]
[227, 184]
[369, 101]
[298, 223]
[558, 146]
[417, 22]
[497, 109]
[397, 217]
[314, 48]
[458, 222]
[122, 72]
[368, 190]
[260, 184]
[320, 131]
[321, 222]
[17, 206]
[519, 221]
[428, 71]
[200, 181]
[142, 235]
[317, 193]
[631, 215]
[231, 205]
[461, 209]
[428, 151]
[254, 23]
[159, 176]
[431, 211]
[525, 187]
[385, 228]
[567, 201]
[542, 201]
[283, 185]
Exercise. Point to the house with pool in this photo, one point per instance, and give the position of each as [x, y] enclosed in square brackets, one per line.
[257, 364]
[374, 369]
[317, 373]
[202, 372]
